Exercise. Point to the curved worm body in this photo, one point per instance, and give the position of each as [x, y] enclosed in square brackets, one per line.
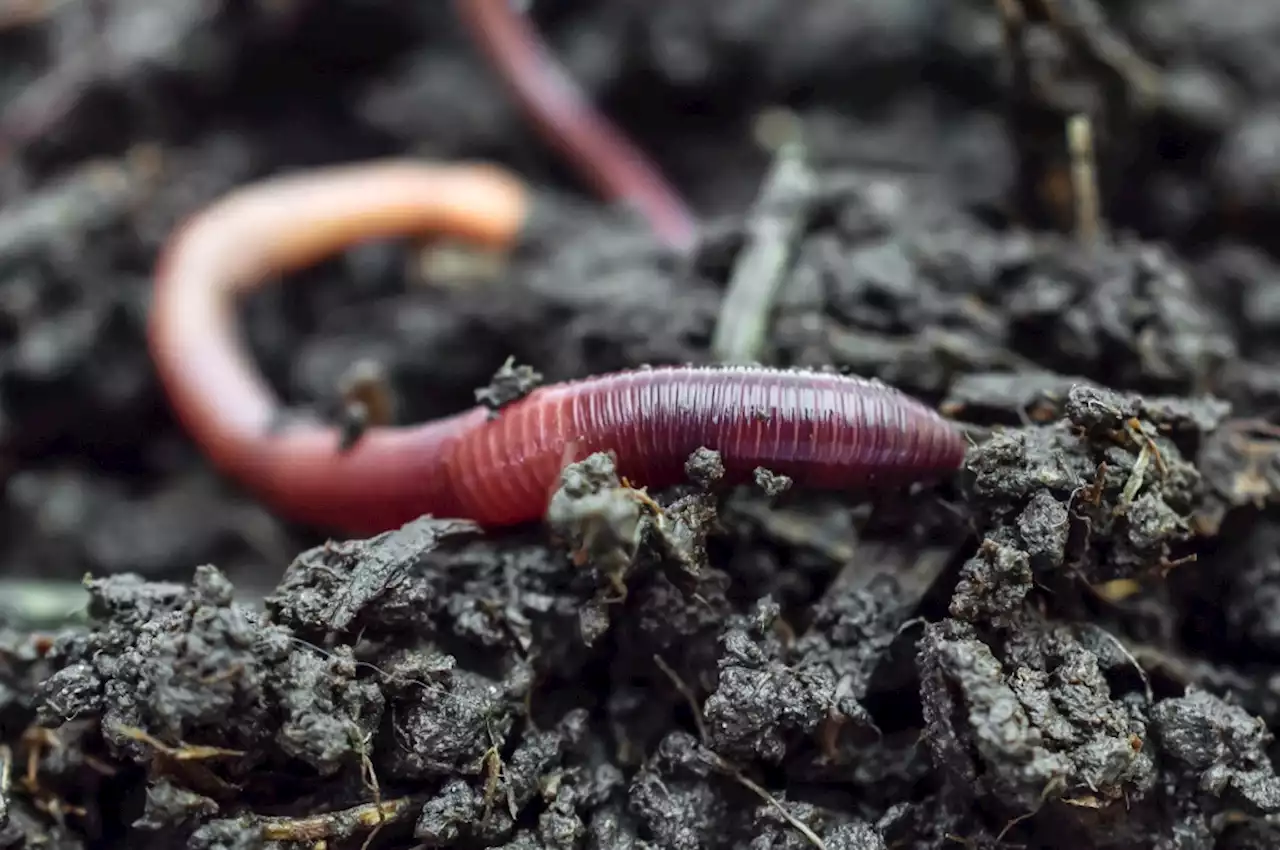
[822, 430]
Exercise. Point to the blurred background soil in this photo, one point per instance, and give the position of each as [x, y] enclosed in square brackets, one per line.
[1075, 644]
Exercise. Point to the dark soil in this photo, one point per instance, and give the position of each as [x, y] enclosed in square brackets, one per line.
[1075, 644]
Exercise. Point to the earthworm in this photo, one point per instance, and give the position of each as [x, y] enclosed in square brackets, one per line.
[613, 165]
[822, 430]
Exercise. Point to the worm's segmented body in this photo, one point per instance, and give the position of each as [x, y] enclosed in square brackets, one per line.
[824, 431]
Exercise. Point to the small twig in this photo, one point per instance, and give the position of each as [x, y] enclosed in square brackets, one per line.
[1124, 651]
[369, 776]
[687, 693]
[754, 787]
[338, 825]
[1135, 481]
[182, 752]
[1084, 177]
[727, 768]
[1140, 435]
[761, 266]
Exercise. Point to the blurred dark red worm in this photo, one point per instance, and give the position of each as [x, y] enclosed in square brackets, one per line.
[823, 430]
[613, 165]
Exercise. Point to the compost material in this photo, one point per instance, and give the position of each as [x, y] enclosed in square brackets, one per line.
[1074, 643]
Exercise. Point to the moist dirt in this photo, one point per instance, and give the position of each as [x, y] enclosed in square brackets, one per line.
[1073, 644]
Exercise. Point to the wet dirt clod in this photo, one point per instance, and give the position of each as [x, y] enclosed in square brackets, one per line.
[1072, 644]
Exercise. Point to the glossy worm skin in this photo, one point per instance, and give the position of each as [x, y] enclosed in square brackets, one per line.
[823, 430]
[566, 118]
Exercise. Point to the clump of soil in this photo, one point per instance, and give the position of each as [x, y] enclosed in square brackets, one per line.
[1072, 644]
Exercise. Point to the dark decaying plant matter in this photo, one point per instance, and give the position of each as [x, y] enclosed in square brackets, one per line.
[1052, 220]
